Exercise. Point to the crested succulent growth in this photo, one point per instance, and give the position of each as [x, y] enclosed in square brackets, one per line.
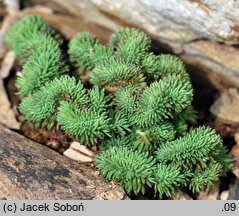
[44, 64]
[37, 46]
[20, 36]
[85, 52]
[136, 106]
[130, 44]
[168, 179]
[131, 168]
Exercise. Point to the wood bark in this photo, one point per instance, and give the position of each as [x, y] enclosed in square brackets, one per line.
[203, 33]
[29, 170]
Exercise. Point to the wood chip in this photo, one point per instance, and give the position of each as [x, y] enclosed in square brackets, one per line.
[77, 156]
[97, 173]
[7, 64]
[235, 156]
[80, 153]
[226, 107]
[12, 7]
[7, 116]
[224, 195]
[7, 22]
[78, 147]
[236, 137]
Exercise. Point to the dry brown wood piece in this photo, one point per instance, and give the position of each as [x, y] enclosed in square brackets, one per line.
[66, 24]
[7, 116]
[80, 153]
[7, 64]
[12, 7]
[235, 156]
[226, 107]
[224, 195]
[29, 170]
[169, 26]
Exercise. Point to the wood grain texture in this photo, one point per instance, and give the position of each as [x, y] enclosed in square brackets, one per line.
[202, 33]
[29, 170]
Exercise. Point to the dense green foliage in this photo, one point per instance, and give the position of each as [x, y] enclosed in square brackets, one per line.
[36, 44]
[136, 106]
[21, 37]
[133, 169]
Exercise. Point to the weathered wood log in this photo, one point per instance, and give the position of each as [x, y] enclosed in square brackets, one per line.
[179, 27]
[175, 20]
[66, 24]
[234, 191]
[29, 170]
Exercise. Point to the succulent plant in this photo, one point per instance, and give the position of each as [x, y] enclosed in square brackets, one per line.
[135, 105]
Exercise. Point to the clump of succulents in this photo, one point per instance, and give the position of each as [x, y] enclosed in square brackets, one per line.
[136, 106]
